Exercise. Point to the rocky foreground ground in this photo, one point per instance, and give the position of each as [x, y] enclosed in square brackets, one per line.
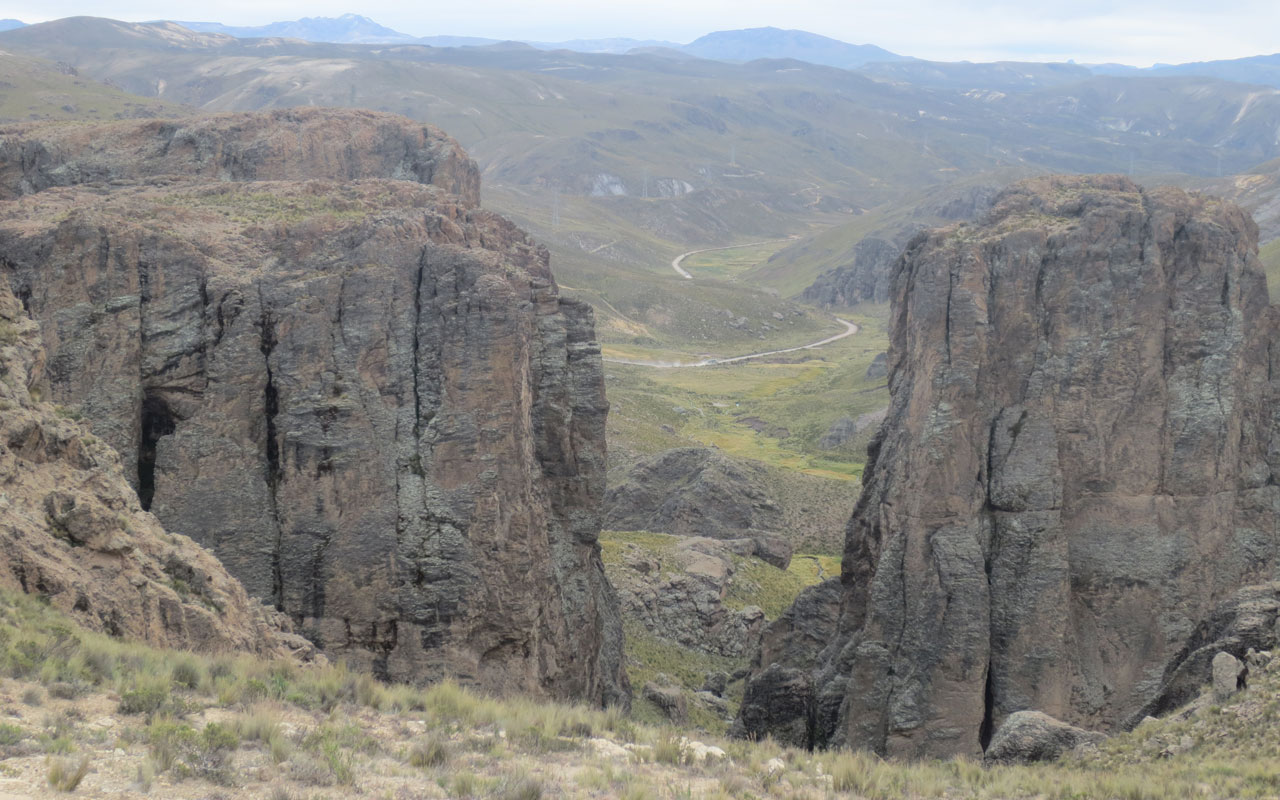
[83, 715]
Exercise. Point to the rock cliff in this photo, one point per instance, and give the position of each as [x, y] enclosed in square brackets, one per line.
[360, 390]
[1078, 465]
[73, 531]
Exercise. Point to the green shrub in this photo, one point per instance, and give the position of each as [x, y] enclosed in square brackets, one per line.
[65, 774]
[431, 752]
[217, 736]
[520, 787]
[11, 734]
[146, 696]
[187, 673]
[169, 741]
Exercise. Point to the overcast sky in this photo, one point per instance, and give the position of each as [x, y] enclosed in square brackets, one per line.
[1139, 32]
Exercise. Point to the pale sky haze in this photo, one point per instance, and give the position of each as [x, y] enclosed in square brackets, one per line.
[1138, 32]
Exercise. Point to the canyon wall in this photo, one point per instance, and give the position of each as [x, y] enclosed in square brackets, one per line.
[1078, 465]
[317, 356]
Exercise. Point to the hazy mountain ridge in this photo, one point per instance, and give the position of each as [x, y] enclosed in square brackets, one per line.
[754, 43]
[357, 29]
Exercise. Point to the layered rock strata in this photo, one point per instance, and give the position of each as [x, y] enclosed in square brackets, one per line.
[1078, 464]
[363, 393]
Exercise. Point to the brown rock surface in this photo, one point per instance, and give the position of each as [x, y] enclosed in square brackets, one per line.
[1076, 468]
[366, 397]
[73, 532]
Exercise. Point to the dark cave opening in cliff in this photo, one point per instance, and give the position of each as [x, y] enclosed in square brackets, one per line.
[157, 421]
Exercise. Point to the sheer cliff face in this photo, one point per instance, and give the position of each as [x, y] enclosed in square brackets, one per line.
[1077, 465]
[72, 531]
[367, 397]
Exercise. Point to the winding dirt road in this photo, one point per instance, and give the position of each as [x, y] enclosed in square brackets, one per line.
[849, 330]
[684, 273]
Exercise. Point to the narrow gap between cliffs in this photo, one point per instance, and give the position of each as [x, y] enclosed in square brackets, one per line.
[271, 407]
[985, 731]
[157, 421]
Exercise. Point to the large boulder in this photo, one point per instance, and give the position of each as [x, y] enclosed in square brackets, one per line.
[778, 703]
[1078, 463]
[670, 700]
[1026, 737]
[360, 390]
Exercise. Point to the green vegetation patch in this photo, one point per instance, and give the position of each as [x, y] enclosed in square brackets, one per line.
[729, 263]
[773, 410]
[756, 583]
[1269, 255]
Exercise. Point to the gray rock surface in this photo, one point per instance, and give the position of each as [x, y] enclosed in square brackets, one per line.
[778, 702]
[1246, 622]
[366, 396]
[716, 683]
[843, 430]
[1077, 465]
[774, 550]
[285, 144]
[683, 601]
[866, 278]
[670, 700]
[73, 533]
[693, 491]
[1227, 674]
[1027, 737]
[879, 366]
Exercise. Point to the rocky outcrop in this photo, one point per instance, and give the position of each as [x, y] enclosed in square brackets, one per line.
[74, 534]
[879, 366]
[286, 144]
[683, 600]
[865, 278]
[693, 491]
[780, 699]
[669, 700]
[1228, 676]
[1077, 467]
[700, 491]
[1249, 621]
[366, 396]
[843, 430]
[868, 274]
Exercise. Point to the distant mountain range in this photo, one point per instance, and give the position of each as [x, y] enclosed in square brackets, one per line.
[355, 29]
[740, 45]
[754, 43]
[751, 44]
[1264, 70]
[347, 29]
